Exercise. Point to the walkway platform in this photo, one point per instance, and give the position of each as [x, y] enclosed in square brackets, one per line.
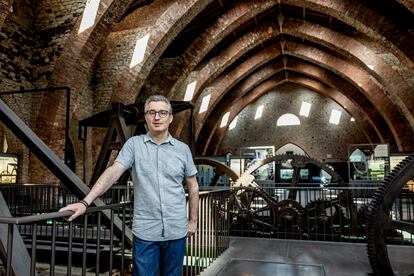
[270, 257]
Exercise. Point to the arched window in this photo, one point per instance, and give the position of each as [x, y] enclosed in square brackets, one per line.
[288, 119]
[291, 148]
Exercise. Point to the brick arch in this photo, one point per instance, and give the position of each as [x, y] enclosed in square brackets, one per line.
[207, 40]
[409, 5]
[235, 51]
[214, 143]
[72, 68]
[163, 20]
[344, 98]
[237, 15]
[367, 21]
[5, 6]
[343, 69]
[212, 135]
[317, 34]
[311, 27]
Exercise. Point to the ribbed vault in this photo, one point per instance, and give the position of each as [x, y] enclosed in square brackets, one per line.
[357, 53]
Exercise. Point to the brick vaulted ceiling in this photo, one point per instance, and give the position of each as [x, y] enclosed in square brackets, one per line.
[359, 53]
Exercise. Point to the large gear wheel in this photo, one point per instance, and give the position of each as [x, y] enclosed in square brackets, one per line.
[252, 208]
[380, 220]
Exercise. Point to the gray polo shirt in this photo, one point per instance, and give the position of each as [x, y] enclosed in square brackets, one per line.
[160, 211]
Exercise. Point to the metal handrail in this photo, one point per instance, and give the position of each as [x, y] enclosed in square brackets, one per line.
[210, 240]
[53, 215]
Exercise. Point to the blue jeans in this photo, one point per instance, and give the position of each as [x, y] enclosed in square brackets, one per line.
[169, 255]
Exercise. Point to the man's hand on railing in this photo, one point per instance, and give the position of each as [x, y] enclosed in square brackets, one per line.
[192, 228]
[77, 208]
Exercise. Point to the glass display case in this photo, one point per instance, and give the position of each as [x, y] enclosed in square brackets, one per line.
[249, 156]
[368, 162]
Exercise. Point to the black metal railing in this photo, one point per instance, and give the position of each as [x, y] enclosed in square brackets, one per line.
[212, 236]
[30, 199]
[60, 237]
[315, 213]
[89, 244]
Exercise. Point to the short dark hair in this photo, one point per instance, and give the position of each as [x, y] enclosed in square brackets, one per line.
[157, 98]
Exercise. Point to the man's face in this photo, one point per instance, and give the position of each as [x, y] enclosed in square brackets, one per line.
[156, 122]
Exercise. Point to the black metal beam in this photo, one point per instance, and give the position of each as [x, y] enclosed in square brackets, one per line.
[51, 89]
[54, 163]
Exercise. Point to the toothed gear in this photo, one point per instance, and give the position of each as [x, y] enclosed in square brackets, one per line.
[290, 215]
[324, 214]
[379, 216]
[254, 206]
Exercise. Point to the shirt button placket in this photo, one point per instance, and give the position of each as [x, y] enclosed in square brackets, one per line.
[160, 190]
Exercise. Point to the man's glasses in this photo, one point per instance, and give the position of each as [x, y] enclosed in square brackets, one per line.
[161, 113]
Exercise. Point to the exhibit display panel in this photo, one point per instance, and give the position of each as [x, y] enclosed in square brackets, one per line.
[8, 168]
[368, 162]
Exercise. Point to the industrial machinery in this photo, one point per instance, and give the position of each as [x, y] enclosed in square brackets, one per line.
[261, 211]
[384, 220]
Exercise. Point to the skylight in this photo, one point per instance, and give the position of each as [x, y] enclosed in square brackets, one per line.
[89, 15]
[288, 119]
[204, 103]
[225, 119]
[189, 92]
[259, 112]
[305, 109]
[234, 122]
[139, 51]
[335, 116]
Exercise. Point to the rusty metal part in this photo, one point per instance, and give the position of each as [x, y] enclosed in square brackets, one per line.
[254, 206]
[380, 221]
[290, 214]
[323, 214]
[219, 168]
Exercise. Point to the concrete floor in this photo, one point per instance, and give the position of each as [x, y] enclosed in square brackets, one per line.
[332, 258]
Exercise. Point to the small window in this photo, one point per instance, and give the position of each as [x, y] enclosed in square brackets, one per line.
[288, 119]
[139, 50]
[335, 117]
[89, 15]
[225, 119]
[204, 103]
[234, 122]
[189, 92]
[259, 112]
[305, 109]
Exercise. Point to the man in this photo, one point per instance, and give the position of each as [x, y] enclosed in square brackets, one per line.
[159, 165]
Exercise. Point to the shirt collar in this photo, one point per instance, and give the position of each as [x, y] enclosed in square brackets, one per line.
[169, 139]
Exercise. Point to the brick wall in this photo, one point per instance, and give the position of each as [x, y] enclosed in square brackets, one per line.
[315, 135]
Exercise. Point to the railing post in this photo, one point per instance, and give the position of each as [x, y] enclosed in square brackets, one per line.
[34, 242]
[10, 237]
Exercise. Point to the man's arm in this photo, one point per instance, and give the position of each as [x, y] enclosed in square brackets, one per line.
[192, 185]
[104, 182]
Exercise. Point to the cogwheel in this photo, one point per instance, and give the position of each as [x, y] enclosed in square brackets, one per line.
[379, 220]
[254, 206]
[290, 215]
[323, 214]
